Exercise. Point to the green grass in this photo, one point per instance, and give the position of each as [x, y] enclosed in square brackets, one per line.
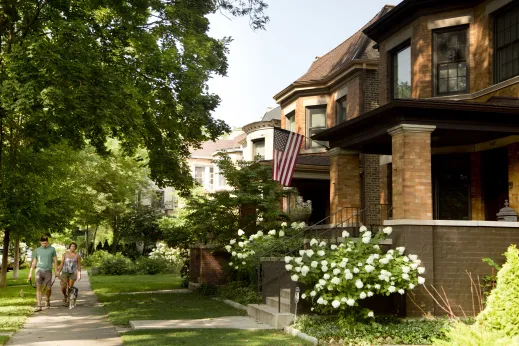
[163, 306]
[213, 337]
[22, 278]
[14, 309]
[103, 284]
[3, 339]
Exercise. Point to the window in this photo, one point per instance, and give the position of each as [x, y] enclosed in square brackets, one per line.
[222, 181]
[291, 121]
[211, 178]
[401, 75]
[507, 44]
[342, 107]
[258, 148]
[451, 61]
[316, 120]
[199, 175]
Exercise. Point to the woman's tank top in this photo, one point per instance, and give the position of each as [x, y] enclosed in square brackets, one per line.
[70, 265]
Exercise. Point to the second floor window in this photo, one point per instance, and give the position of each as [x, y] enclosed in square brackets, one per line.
[401, 73]
[200, 175]
[291, 121]
[316, 120]
[342, 108]
[258, 148]
[507, 44]
[451, 61]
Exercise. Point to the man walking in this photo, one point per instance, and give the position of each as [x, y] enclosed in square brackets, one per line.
[42, 259]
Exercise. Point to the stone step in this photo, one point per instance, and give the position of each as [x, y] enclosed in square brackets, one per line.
[267, 314]
[274, 302]
[285, 293]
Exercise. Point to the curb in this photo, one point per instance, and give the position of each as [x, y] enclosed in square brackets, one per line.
[300, 335]
[233, 304]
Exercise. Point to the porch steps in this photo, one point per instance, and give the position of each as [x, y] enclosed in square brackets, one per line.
[285, 293]
[268, 314]
[274, 302]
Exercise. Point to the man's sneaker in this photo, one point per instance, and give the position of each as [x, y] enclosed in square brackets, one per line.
[37, 309]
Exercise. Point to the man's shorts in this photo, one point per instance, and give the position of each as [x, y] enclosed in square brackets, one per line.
[43, 278]
[68, 276]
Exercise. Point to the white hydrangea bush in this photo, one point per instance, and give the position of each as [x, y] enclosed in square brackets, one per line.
[342, 275]
[169, 255]
[245, 251]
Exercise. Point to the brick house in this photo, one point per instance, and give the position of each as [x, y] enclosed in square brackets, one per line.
[447, 132]
[338, 87]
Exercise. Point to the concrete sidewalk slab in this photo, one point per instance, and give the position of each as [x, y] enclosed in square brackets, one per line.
[230, 322]
[85, 325]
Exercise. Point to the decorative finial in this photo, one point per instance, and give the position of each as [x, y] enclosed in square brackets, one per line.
[506, 203]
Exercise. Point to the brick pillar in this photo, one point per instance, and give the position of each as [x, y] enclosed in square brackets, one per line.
[344, 180]
[513, 175]
[412, 183]
[476, 191]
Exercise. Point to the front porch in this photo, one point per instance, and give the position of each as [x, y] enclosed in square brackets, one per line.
[447, 169]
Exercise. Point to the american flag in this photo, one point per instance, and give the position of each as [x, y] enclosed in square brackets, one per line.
[286, 149]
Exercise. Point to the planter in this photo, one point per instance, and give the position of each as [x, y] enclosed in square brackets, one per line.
[298, 217]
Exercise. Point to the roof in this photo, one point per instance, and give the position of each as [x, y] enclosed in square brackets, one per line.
[409, 10]
[456, 123]
[355, 47]
[210, 147]
[271, 114]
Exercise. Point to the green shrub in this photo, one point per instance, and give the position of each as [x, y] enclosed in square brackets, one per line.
[463, 335]
[379, 331]
[502, 310]
[116, 265]
[185, 282]
[96, 259]
[150, 266]
[239, 292]
[207, 289]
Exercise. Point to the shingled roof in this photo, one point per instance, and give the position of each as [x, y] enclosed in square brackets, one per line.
[209, 147]
[357, 47]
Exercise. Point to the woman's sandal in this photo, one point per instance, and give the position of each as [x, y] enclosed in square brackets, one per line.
[38, 309]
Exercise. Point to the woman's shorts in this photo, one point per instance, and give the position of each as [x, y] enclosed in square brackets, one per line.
[68, 276]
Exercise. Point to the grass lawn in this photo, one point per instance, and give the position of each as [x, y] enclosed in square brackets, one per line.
[3, 339]
[134, 283]
[163, 306]
[14, 309]
[213, 337]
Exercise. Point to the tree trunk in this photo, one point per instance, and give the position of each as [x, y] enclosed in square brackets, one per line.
[115, 229]
[16, 258]
[94, 240]
[5, 257]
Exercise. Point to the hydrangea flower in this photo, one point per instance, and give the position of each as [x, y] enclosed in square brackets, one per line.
[387, 230]
[232, 242]
[310, 253]
[336, 304]
[333, 247]
[272, 232]
[324, 269]
[421, 270]
[283, 224]
[326, 276]
[321, 253]
[313, 242]
[401, 291]
[313, 293]
[314, 264]
[288, 259]
[371, 314]
[336, 280]
[359, 284]
[350, 302]
[362, 295]
[241, 232]
[305, 270]
[362, 229]
[303, 296]
[345, 234]
[348, 275]
[281, 234]
[391, 289]
[295, 277]
[421, 280]
[336, 271]
[356, 270]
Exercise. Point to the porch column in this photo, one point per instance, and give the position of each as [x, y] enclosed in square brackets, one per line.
[344, 180]
[412, 183]
[513, 176]
[476, 189]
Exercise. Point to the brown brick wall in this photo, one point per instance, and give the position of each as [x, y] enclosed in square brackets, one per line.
[371, 90]
[412, 189]
[476, 191]
[385, 184]
[513, 175]
[345, 184]
[447, 252]
[371, 188]
[207, 265]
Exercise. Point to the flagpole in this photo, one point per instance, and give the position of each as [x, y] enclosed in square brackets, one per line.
[313, 140]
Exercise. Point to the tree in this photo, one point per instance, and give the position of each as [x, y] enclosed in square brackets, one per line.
[80, 71]
[140, 225]
[253, 195]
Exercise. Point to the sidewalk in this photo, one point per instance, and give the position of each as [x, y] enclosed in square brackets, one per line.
[84, 325]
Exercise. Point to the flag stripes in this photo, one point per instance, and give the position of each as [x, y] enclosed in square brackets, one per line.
[286, 150]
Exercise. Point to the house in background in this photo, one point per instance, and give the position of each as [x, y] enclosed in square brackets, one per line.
[338, 87]
[447, 130]
[260, 135]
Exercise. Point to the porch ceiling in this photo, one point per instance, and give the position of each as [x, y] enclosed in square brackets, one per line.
[457, 123]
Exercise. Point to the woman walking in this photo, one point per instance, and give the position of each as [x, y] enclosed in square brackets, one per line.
[70, 269]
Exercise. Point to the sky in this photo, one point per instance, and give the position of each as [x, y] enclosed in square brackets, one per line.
[264, 62]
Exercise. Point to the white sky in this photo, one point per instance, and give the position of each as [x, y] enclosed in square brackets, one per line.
[262, 63]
